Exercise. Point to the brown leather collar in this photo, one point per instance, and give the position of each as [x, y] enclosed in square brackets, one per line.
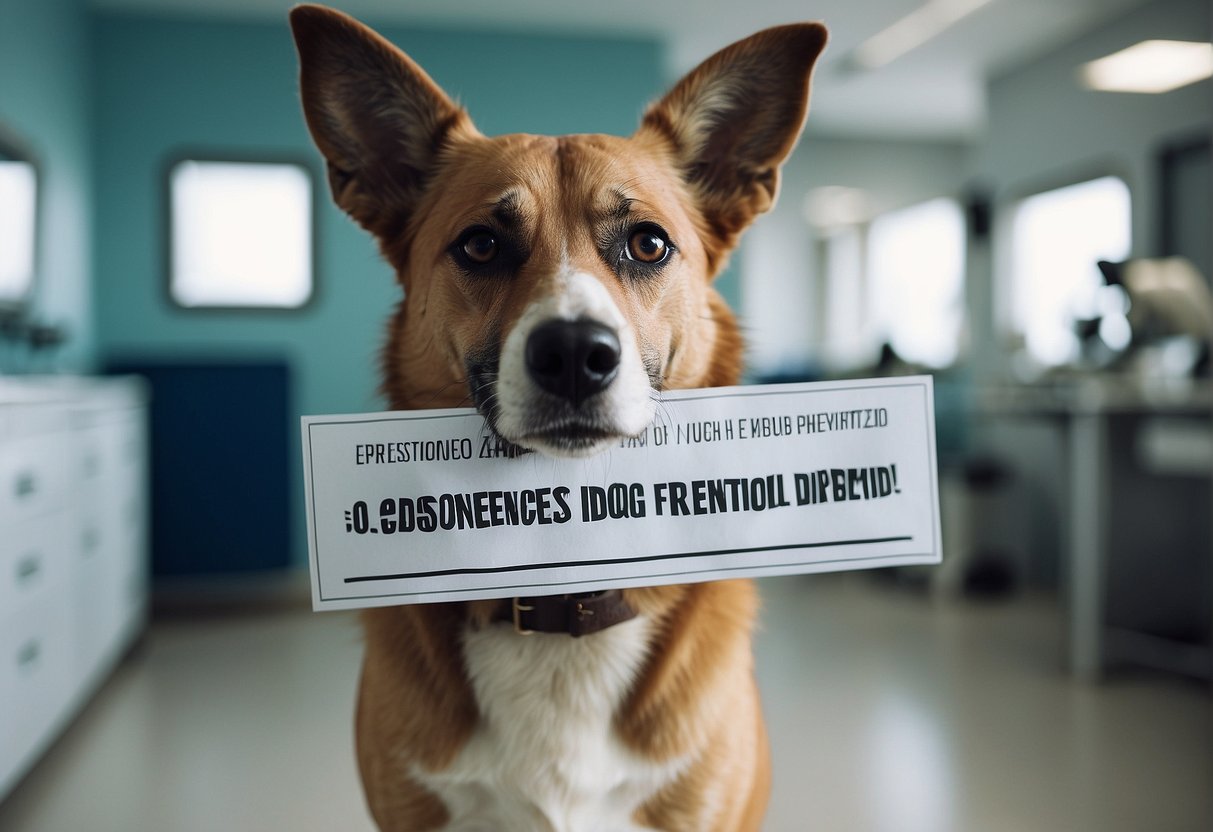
[575, 615]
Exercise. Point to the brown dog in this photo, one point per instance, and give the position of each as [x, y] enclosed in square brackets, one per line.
[559, 284]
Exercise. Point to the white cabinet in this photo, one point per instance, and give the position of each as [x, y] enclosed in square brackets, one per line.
[73, 550]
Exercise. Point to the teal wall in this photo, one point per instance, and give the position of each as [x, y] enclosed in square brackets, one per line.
[166, 85]
[44, 73]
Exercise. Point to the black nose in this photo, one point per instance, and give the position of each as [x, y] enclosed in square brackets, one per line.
[572, 359]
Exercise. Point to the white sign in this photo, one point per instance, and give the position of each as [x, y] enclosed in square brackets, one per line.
[422, 506]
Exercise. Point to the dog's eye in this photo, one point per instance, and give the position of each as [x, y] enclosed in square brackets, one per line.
[648, 245]
[480, 246]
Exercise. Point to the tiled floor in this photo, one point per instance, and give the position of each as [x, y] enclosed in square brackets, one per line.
[888, 714]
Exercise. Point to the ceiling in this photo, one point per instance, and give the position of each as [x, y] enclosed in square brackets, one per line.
[935, 91]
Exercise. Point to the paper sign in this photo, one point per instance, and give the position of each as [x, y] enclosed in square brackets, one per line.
[423, 506]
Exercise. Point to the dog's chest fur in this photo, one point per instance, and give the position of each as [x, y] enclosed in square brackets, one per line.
[545, 757]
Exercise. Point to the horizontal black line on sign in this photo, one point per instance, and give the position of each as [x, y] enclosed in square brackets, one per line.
[524, 567]
[679, 576]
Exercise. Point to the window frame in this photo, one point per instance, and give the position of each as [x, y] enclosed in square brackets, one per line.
[304, 164]
[14, 148]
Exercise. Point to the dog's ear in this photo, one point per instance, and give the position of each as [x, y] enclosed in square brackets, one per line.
[379, 120]
[734, 119]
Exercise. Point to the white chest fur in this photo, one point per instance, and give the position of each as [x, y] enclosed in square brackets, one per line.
[545, 757]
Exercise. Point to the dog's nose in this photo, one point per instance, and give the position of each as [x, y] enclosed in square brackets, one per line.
[573, 359]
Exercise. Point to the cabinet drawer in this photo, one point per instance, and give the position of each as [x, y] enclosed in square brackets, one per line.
[35, 558]
[36, 657]
[128, 439]
[33, 476]
[111, 451]
[88, 462]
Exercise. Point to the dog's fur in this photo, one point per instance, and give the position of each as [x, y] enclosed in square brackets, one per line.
[462, 723]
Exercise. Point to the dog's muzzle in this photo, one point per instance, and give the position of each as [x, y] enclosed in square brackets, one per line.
[568, 379]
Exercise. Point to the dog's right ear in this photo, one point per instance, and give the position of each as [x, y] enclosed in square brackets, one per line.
[379, 120]
[733, 120]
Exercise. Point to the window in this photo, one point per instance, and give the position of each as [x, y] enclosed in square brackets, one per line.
[241, 234]
[916, 281]
[18, 211]
[1057, 238]
[897, 279]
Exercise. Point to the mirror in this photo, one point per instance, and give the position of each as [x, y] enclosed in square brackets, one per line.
[18, 222]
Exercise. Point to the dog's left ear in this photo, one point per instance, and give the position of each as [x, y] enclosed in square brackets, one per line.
[734, 119]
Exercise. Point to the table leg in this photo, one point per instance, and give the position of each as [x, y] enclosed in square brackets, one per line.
[1088, 542]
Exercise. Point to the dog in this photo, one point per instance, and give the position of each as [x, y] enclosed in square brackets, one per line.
[559, 284]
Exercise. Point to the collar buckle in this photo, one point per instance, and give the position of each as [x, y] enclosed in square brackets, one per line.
[519, 609]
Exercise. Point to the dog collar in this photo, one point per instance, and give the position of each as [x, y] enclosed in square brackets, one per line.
[576, 615]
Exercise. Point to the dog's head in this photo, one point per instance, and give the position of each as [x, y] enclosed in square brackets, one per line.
[556, 283]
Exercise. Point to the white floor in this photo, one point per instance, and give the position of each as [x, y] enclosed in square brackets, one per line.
[888, 714]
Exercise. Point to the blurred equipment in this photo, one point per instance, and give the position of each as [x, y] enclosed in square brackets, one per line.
[1169, 296]
[1170, 314]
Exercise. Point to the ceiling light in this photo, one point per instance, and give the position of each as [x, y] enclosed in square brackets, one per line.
[912, 31]
[1150, 66]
